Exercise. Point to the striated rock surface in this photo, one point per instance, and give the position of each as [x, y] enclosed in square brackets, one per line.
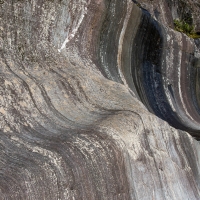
[166, 11]
[96, 97]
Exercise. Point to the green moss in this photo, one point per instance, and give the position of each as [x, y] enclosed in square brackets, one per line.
[186, 28]
[183, 26]
[194, 35]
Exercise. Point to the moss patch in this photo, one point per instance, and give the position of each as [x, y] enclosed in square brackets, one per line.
[186, 28]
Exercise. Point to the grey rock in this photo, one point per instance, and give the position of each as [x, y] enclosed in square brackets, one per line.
[96, 98]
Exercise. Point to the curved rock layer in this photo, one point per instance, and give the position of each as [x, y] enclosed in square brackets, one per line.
[161, 66]
[73, 75]
[167, 68]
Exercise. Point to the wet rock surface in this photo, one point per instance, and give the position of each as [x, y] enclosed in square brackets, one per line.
[96, 97]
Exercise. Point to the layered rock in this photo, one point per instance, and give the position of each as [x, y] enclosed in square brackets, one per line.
[78, 79]
[167, 10]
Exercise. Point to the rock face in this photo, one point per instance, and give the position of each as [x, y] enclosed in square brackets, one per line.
[96, 97]
[168, 10]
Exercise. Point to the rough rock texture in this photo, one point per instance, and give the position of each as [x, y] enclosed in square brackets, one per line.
[166, 11]
[73, 75]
